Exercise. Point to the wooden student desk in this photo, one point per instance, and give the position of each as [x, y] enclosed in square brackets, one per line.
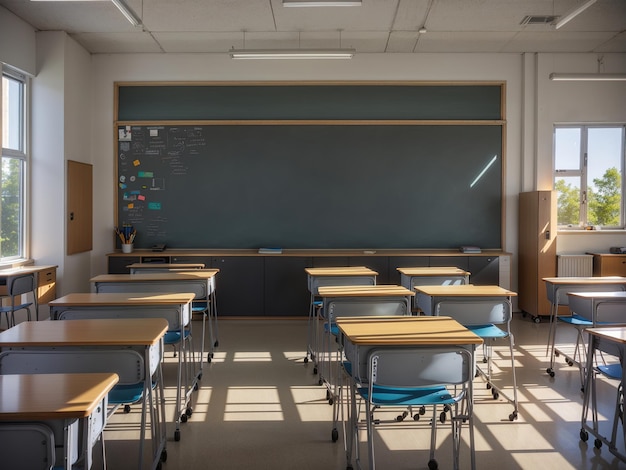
[330, 276]
[174, 307]
[201, 282]
[611, 340]
[428, 297]
[45, 282]
[360, 335]
[145, 335]
[557, 289]
[59, 401]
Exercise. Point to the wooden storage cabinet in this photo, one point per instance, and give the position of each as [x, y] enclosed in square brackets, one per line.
[537, 250]
[609, 264]
[46, 285]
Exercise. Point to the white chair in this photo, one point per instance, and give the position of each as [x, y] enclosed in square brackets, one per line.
[27, 446]
[17, 286]
[491, 320]
[416, 377]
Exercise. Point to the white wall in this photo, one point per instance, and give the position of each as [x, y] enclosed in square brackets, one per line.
[17, 42]
[576, 102]
[219, 67]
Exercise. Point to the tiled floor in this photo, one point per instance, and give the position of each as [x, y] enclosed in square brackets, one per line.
[260, 407]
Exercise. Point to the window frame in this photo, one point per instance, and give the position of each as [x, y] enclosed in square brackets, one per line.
[23, 156]
[583, 173]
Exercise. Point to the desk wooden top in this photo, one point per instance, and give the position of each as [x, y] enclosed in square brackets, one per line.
[616, 334]
[121, 299]
[96, 332]
[616, 295]
[433, 271]
[193, 274]
[405, 331]
[379, 290]
[465, 290]
[34, 397]
[585, 280]
[341, 271]
[167, 266]
[25, 269]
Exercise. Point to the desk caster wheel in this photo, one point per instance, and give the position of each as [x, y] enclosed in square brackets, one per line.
[584, 435]
[208, 358]
[306, 360]
[495, 394]
[550, 371]
[126, 408]
[164, 456]
[177, 435]
[537, 320]
[513, 416]
[335, 435]
[189, 411]
[433, 465]
[183, 418]
[416, 417]
[597, 443]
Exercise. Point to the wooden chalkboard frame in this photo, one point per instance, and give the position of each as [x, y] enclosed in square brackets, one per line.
[465, 127]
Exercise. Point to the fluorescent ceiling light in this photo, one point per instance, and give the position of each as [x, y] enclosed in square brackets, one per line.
[574, 13]
[127, 12]
[588, 77]
[322, 3]
[291, 53]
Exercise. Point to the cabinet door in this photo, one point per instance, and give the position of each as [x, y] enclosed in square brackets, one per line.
[239, 285]
[206, 260]
[484, 270]
[117, 264]
[286, 292]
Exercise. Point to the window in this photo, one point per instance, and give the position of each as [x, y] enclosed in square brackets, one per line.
[589, 175]
[13, 176]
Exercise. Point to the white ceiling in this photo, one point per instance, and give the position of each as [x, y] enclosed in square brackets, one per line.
[377, 26]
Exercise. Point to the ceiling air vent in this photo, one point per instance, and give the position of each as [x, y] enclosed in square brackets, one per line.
[539, 19]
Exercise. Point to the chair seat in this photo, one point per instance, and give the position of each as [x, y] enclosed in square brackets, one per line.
[8, 308]
[612, 371]
[334, 329]
[391, 396]
[488, 331]
[173, 337]
[126, 393]
[575, 320]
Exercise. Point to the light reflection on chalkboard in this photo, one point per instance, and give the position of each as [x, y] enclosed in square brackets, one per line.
[493, 160]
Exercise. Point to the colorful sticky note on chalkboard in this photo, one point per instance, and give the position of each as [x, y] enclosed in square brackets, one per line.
[145, 174]
[141, 197]
[136, 162]
[122, 186]
[130, 206]
[155, 206]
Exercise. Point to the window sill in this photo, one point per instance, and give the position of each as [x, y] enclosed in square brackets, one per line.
[16, 264]
[589, 232]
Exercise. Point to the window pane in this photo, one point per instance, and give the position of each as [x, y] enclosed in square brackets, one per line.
[11, 229]
[604, 176]
[568, 201]
[12, 109]
[567, 148]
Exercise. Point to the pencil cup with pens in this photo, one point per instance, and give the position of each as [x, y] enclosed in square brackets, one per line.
[127, 235]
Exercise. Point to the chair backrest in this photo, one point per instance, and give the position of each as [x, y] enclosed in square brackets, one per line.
[372, 306]
[563, 299]
[127, 364]
[420, 366]
[170, 313]
[476, 312]
[437, 281]
[21, 284]
[197, 287]
[27, 446]
[318, 282]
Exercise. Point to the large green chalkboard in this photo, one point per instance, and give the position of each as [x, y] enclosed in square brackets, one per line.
[312, 186]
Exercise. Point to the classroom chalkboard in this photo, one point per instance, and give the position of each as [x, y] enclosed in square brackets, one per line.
[225, 185]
